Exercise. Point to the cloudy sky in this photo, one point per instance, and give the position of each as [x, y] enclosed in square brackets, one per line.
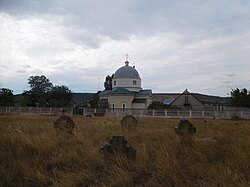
[175, 44]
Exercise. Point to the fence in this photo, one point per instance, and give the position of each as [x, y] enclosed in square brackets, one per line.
[212, 114]
[35, 110]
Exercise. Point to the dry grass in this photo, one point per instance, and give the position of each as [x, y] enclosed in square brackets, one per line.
[33, 154]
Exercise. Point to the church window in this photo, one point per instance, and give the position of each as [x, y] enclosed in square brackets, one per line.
[134, 82]
[123, 106]
[186, 100]
[114, 83]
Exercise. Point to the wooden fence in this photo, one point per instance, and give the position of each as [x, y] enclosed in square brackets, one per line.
[206, 114]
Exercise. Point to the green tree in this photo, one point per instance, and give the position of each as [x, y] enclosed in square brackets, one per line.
[26, 99]
[94, 103]
[157, 105]
[59, 96]
[240, 97]
[6, 97]
[40, 86]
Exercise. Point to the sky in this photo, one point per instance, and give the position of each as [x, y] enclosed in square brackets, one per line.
[202, 46]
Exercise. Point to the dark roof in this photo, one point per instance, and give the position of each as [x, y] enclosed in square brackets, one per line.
[144, 92]
[209, 99]
[160, 97]
[82, 98]
[139, 101]
[168, 101]
[105, 92]
[121, 91]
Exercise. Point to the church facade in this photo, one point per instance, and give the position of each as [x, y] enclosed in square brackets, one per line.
[126, 92]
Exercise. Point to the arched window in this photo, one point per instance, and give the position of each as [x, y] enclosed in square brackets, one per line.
[134, 82]
[114, 83]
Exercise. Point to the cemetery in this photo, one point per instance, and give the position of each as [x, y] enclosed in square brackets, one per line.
[73, 150]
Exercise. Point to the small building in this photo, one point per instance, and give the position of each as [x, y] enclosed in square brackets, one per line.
[195, 101]
[126, 92]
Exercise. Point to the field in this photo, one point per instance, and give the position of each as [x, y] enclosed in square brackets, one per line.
[32, 153]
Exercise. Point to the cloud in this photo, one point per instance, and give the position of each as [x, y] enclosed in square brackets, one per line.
[202, 46]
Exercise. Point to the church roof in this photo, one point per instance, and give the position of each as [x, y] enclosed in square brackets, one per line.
[127, 72]
[121, 91]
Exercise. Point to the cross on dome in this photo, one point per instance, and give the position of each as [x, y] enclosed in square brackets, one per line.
[126, 62]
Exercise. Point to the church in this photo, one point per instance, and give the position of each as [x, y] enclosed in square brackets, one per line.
[126, 91]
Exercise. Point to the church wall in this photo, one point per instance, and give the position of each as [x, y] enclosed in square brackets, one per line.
[118, 101]
[139, 105]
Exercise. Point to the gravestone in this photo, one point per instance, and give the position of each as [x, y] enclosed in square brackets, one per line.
[185, 127]
[185, 130]
[129, 122]
[186, 154]
[64, 124]
[118, 146]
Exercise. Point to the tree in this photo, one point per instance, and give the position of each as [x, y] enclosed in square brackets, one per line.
[40, 86]
[59, 96]
[108, 82]
[157, 105]
[94, 103]
[6, 97]
[240, 97]
[26, 99]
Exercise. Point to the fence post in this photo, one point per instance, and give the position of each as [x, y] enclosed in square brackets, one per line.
[241, 115]
[153, 112]
[166, 113]
[203, 113]
[215, 114]
[106, 112]
[190, 113]
[178, 113]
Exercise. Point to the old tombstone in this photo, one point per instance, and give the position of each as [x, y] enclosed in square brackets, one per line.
[129, 122]
[118, 146]
[185, 130]
[186, 153]
[64, 124]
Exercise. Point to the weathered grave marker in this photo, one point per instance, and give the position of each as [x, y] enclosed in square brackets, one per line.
[185, 130]
[118, 145]
[129, 122]
[64, 124]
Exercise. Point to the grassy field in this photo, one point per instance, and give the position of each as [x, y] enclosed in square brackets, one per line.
[33, 154]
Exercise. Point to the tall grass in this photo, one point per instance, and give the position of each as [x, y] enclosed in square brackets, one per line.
[33, 154]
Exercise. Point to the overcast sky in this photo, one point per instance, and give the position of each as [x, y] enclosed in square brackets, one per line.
[203, 46]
